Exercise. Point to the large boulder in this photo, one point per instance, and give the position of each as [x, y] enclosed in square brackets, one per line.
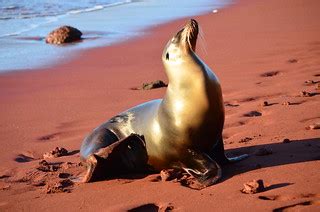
[64, 34]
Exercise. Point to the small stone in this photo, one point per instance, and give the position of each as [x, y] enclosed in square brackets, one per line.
[265, 104]
[153, 85]
[315, 126]
[263, 151]
[253, 187]
[245, 140]
[286, 140]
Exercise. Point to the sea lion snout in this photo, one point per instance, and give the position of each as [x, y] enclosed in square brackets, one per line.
[182, 43]
[189, 35]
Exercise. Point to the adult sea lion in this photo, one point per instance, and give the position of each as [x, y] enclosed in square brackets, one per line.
[183, 130]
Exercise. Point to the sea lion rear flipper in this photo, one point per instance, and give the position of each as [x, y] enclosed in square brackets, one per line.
[218, 154]
[123, 156]
[200, 166]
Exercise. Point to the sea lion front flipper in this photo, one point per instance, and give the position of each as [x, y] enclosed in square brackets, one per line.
[127, 155]
[218, 154]
[199, 165]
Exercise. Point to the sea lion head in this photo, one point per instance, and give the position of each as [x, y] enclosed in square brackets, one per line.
[182, 44]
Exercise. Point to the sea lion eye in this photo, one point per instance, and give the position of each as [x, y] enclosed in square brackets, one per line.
[167, 56]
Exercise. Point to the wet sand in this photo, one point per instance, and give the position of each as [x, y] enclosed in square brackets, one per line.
[261, 51]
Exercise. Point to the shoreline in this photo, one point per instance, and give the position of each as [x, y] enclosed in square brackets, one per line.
[27, 50]
[261, 51]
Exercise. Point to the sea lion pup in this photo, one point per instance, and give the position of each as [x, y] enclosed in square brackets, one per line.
[183, 130]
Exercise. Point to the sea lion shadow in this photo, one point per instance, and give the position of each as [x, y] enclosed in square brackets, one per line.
[296, 151]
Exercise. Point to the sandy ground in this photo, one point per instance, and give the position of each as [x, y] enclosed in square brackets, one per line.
[260, 50]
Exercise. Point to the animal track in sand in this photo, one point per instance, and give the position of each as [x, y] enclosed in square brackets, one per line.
[270, 74]
[288, 197]
[21, 158]
[51, 177]
[253, 113]
[227, 104]
[235, 124]
[289, 207]
[310, 119]
[57, 152]
[50, 137]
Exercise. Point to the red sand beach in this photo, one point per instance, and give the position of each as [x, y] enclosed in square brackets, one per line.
[260, 50]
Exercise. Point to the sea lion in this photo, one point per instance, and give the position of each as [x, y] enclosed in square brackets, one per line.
[183, 130]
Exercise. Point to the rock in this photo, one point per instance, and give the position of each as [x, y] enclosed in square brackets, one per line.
[245, 140]
[64, 34]
[263, 152]
[286, 140]
[315, 126]
[253, 187]
[57, 152]
[153, 85]
[265, 104]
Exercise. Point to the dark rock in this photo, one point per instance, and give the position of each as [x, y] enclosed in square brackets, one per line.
[64, 34]
[245, 140]
[286, 140]
[153, 85]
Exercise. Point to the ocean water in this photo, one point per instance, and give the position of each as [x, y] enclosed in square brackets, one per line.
[25, 23]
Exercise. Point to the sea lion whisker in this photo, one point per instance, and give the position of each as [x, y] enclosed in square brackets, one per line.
[202, 41]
